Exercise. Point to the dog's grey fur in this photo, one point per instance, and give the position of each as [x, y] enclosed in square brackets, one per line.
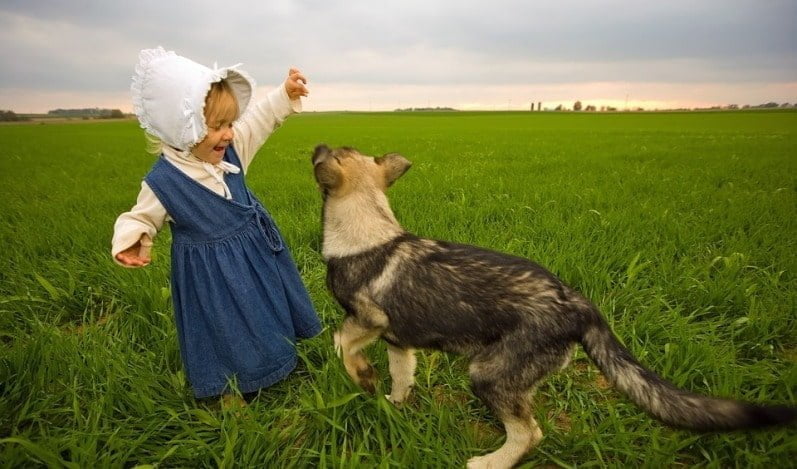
[515, 321]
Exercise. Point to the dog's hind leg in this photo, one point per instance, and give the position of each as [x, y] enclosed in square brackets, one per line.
[503, 378]
[349, 342]
[522, 431]
[402, 372]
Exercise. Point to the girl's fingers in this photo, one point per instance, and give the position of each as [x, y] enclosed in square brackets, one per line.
[297, 76]
[131, 260]
[296, 89]
[295, 84]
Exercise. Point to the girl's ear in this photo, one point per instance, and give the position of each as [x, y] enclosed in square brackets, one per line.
[394, 166]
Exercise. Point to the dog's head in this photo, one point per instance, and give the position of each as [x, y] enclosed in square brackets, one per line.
[344, 170]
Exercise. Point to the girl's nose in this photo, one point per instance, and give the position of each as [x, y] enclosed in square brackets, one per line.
[229, 134]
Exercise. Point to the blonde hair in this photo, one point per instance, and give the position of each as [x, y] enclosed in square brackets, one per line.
[220, 106]
[152, 144]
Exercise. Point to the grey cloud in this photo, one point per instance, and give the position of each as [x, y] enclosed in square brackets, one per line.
[410, 41]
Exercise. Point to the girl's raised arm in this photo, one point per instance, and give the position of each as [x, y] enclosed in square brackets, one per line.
[266, 115]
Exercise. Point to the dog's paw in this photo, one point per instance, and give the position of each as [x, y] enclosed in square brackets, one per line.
[398, 397]
[477, 463]
[393, 400]
[487, 461]
[366, 378]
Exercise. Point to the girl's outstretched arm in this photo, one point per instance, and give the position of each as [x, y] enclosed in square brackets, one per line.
[266, 115]
[134, 230]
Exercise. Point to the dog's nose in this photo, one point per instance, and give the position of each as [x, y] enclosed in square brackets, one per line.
[320, 153]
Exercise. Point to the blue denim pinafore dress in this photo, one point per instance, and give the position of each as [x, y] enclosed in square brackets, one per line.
[239, 302]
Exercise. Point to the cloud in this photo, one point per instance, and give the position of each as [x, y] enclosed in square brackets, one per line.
[91, 46]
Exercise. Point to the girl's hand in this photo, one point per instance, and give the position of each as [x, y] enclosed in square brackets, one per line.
[294, 84]
[137, 255]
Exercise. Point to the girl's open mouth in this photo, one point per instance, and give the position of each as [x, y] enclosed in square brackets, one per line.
[218, 148]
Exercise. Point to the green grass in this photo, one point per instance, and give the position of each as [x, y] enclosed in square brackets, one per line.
[681, 227]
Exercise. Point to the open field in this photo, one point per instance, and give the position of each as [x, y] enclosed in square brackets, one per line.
[681, 227]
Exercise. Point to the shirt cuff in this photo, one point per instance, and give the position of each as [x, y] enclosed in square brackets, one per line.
[282, 105]
[127, 235]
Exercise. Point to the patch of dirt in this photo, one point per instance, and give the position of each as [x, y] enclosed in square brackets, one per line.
[602, 383]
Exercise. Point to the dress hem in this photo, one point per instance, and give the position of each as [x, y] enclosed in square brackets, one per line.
[310, 332]
[251, 385]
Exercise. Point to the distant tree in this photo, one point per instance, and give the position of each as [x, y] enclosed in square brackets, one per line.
[732, 107]
[11, 116]
[558, 108]
[785, 105]
[590, 107]
[92, 113]
[577, 106]
[611, 108]
[603, 108]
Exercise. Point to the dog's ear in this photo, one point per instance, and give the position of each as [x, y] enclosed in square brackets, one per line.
[394, 166]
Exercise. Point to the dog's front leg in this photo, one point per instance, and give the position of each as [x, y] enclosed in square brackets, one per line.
[402, 372]
[349, 342]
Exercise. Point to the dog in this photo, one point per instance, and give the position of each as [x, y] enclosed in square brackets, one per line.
[515, 321]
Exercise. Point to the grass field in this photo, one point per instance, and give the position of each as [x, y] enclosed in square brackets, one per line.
[681, 227]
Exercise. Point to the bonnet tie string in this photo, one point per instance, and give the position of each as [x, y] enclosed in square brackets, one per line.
[218, 171]
[218, 75]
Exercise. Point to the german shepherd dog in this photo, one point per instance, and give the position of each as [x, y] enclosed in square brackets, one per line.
[515, 321]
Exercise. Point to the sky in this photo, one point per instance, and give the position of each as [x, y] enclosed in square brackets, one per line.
[383, 55]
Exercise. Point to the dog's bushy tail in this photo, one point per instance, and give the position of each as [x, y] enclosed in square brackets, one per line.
[664, 401]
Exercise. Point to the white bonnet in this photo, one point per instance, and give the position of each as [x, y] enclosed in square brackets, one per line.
[169, 94]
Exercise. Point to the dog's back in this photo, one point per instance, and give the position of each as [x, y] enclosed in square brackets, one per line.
[458, 298]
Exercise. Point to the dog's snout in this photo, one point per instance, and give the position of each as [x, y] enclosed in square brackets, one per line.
[320, 153]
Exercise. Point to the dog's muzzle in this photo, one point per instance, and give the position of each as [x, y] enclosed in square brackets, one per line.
[320, 153]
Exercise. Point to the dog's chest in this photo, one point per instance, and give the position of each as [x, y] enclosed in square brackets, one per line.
[349, 276]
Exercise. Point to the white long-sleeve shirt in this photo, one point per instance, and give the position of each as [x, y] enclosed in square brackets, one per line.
[148, 215]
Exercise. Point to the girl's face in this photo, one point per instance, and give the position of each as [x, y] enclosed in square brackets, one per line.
[211, 148]
[221, 109]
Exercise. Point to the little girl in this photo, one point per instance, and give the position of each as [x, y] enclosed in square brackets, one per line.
[239, 301]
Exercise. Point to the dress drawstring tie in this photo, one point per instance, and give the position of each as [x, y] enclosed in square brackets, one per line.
[269, 230]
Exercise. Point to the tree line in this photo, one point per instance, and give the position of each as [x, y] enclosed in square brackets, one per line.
[11, 116]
